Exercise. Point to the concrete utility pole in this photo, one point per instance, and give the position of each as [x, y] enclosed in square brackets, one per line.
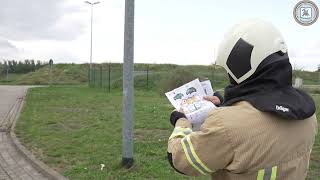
[127, 127]
[91, 4]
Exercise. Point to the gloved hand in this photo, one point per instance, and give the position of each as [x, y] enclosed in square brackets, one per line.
[175, 116]
[216, 99]
[217, 94]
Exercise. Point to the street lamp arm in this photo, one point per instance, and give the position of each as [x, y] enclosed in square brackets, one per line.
[88, 2]
[94, 3]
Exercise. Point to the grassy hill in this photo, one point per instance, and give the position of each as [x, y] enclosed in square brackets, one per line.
[160, 76]
[309, 78]
[77, 74]
[62, 74]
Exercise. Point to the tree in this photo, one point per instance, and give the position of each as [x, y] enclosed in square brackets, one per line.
[2, 69]
[23, 66]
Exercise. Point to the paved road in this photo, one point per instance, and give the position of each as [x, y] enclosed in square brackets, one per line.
[8, 97]
[13, 164]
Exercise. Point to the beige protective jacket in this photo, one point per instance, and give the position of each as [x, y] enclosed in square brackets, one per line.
[240, 142]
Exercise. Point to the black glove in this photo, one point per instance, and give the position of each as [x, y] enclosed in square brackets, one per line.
[175, 116]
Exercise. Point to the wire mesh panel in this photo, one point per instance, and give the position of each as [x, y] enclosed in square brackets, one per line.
[110, 76]
[153, 76]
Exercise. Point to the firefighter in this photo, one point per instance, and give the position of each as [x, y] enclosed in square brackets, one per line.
[264, 129]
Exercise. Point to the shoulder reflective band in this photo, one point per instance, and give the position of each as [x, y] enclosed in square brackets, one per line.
[192, 157]
[267, 174]
[180, 132]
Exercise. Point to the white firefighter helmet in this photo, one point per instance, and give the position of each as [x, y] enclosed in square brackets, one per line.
[246, 46]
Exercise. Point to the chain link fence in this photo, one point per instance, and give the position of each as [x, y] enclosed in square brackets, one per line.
[109, 76]
[153, 76]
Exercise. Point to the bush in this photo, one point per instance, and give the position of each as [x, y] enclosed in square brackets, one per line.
[175, 79]
[311, 89]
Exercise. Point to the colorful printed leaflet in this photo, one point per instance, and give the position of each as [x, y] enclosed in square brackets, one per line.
[189, 99]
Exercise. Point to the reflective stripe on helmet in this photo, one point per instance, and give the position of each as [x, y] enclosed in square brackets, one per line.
[192, 157]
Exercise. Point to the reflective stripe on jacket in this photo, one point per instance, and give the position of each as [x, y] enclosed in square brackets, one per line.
[240, 142]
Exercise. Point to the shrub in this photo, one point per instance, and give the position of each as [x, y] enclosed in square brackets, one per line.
[311, 89]
[175, 79]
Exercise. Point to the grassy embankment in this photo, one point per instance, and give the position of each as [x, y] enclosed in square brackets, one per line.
[77, 74]
[62, 74]
[75, 129]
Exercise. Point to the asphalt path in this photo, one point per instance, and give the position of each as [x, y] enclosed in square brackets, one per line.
[13, 165]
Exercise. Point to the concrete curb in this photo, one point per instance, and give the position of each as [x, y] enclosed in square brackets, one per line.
[38, 165]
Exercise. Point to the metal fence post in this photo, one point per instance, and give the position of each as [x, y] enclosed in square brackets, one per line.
[319, 76]
[94, 77]
[319, 73]
[148, 76]
[213, 72]
[127, 129]
[7, 70]
[89, 78]
[101, 76]
[109, 77]
[50, 71]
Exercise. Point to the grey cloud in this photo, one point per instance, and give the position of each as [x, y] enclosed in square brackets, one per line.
[311, 49]
[306, 57]
[7, 49]
[317, 44]
[6, 44]
[38, 20]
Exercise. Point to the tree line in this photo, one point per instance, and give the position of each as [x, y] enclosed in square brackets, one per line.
[20, 67]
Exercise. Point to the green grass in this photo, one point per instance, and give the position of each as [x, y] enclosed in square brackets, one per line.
[75, 129]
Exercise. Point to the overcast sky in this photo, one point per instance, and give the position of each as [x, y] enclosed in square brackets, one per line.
[166, 31]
